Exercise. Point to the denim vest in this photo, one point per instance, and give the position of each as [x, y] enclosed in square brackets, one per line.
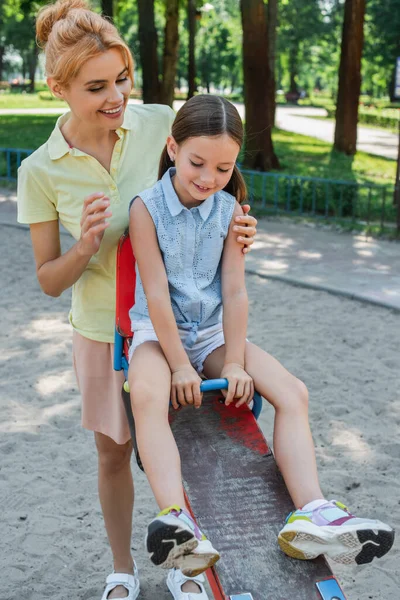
[191, 243]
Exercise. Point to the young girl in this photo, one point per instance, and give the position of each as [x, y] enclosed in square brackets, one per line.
[190, 318]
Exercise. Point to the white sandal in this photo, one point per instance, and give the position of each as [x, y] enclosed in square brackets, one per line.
[175, 581]
[129, 582]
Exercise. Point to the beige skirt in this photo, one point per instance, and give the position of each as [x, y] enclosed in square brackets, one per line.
[100, 387]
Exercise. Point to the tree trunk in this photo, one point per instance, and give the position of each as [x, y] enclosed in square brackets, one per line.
[191, 14]
[293, 68]
[148, 51]
[272, 16]
[259, 151]
[170, 57]
[32, 65]
[2, 52]
[107, 9]
[392, 81]
[350, 77]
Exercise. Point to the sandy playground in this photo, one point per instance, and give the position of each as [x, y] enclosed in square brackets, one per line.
[53, 544]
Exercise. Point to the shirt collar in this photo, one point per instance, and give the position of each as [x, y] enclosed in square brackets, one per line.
[58, 145]
[175, 206]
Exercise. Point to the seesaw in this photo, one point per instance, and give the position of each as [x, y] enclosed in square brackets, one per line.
[233, 486]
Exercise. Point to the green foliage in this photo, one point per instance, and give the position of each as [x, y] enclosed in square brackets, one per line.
[219, 47]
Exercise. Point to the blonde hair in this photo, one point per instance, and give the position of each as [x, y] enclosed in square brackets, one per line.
[70, 34]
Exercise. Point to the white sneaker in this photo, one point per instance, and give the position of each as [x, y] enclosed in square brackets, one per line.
[128, 581]
[176, 579]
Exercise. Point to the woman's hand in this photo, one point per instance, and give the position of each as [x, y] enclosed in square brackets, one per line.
[93, 223]
[241, 386]
[185, 387]
[246, 229]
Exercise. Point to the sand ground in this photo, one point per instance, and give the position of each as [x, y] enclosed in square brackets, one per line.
[52, 537]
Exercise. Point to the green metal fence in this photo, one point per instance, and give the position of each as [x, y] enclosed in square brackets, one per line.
[10, 160]
[325, 198]
[290, 194]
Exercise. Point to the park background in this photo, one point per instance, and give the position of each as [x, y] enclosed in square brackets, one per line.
[325, 68]
[282, 63]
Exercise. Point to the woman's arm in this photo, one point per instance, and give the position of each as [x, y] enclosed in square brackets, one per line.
[155, 284]
[235, 310]
[57, 272]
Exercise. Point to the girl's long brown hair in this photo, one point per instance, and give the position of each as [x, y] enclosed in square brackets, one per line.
[206, 115]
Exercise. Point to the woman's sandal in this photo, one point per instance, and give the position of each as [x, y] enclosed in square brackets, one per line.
[129, 582]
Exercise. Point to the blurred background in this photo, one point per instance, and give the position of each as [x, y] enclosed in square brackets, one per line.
[315, 82]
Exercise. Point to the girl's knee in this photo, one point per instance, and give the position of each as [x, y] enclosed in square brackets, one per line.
[112, 456]
[143, 395]
[294, 397]
[301, 393]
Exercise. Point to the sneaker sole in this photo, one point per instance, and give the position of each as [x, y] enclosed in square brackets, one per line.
[194, 564]
[166, 543]
[359, 546]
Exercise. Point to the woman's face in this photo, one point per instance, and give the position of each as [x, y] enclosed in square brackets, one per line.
[98, 95]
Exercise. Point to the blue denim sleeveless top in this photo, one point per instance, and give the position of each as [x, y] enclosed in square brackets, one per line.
[191, 242]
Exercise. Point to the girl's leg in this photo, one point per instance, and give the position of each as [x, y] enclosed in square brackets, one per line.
[321, 527]
[116, 499]
[173, 539]
[150, 385]
[293, 444]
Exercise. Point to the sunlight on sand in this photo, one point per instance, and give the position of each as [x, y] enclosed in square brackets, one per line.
[351, 440]
[54, 383]
[273, 265]
[22, 417]
[48, 328]
[308, 254]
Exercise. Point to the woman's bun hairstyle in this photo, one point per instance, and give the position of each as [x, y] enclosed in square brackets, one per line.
[70, 34]
[50, 14]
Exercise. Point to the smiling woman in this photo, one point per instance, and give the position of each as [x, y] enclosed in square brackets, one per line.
[105, 151]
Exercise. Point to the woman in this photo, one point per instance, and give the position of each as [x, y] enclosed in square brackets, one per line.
[107, 152]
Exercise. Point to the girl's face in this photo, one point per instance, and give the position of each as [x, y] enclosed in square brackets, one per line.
[98, 95]
[204, 165]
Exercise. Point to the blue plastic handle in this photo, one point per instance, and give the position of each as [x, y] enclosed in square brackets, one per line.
[210, 385]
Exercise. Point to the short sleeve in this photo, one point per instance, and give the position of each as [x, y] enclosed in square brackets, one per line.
[33, 200]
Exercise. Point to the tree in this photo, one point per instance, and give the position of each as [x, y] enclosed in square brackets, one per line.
[107, 9]
[219, 48]
[301, 23]
[349, 77]
[382, 45]
[191, 16]
[272, 21]
[148, 51]
[259, 152]
[170, 54]
[20, 36]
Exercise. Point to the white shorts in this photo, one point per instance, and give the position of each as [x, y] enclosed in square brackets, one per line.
[208, 340]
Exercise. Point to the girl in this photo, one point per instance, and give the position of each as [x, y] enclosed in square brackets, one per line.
[190, 318]
[101, 150]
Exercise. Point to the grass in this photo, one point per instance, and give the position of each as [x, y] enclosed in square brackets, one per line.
[8, 100]
[309, 157]
[25, 131]
[366, 125]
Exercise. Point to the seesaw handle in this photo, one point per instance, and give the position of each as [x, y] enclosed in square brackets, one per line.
[210, 385]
